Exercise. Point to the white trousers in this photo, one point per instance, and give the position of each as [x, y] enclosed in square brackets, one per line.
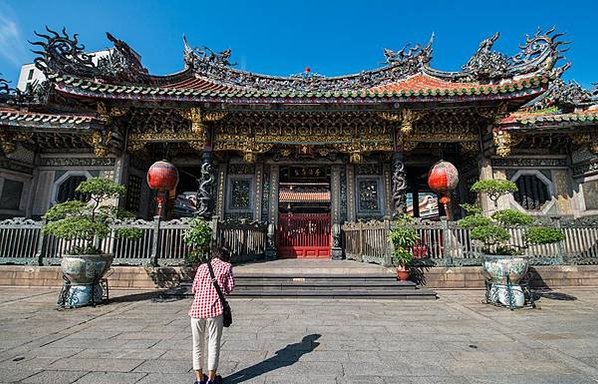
[214, 330]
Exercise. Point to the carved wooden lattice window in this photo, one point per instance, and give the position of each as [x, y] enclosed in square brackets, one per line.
[240, 194]
[533, 192]
[134, 193]
[368, 196]
[67, 190]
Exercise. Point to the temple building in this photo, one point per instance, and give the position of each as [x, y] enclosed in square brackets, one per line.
[304, 153]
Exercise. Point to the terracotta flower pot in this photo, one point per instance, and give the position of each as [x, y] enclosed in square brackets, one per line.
[402, 274]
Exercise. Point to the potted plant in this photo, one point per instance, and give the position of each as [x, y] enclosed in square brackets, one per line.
[403, 237]
[198, 237]
[504, 261]
[84, 225]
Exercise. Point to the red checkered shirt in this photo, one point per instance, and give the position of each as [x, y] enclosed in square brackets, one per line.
[206, 302]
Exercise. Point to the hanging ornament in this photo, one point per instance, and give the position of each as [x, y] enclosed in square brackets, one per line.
[163, 177]
[443, 178]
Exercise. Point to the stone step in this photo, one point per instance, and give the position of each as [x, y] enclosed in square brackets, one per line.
[424, 293]
[325, 284]
[372, 285]
[315, 278]
[364, 292]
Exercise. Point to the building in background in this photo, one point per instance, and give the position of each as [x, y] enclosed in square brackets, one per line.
[304, 153]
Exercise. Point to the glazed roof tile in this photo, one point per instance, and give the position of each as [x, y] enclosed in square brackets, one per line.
[420, 87]
[13, 117]
[550, 117]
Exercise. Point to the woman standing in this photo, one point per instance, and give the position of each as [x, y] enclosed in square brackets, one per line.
[206, 312]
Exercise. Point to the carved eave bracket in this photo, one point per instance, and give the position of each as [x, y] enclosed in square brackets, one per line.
[470, 147]
[100, 141]
[588, 139]
[504, 141]
[108, 114]
[9, 139]
[199, 120]
[407, 118]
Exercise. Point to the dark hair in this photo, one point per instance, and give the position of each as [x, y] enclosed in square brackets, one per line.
[221, 253]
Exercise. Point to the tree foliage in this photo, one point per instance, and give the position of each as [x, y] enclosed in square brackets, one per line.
[403, 237]
[198, 237]
[494, 188]
[493, 232]
[90, 221]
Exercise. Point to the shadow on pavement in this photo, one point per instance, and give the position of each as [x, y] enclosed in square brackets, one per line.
[155, 296]
[285, 357]
[556, 296]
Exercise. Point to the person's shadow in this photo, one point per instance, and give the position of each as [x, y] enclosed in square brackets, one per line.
[289, 355]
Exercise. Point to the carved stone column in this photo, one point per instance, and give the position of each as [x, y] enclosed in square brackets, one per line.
[335, 192]
[259, 172]
[351, 194]
[221, 191]
[204, 193]
[399, 184]
[273, 219]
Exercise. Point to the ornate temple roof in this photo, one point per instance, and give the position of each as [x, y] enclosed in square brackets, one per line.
[209, 76]
[25, 119]
[563, 104]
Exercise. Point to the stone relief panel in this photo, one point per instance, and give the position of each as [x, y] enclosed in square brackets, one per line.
[590, 194]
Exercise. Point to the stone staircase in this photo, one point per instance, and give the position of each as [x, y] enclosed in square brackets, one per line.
[318, 279]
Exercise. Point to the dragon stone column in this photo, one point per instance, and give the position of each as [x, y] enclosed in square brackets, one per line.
[399, 184]
[204, 192]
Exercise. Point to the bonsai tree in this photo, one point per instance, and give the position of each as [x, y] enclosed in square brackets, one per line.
[90, 221]
[198, 236]
[494, 188]
[492, 231]
[403, 237]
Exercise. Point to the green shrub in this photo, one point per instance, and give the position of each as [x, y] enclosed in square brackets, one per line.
[513, 217]
[492, 232]
[89, 221]
[543, 235]
[198, 237]
[494, 188]
[403, 237]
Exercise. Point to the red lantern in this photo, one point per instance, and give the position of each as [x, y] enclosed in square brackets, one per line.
[442, 179]
[164, 177]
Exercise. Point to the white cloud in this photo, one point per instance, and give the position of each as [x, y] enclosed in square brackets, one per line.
[12, 43]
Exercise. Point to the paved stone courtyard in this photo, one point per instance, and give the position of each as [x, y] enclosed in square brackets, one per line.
[138, 339]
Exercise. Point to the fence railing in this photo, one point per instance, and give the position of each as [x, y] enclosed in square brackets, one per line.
[445, 243]
[161, 242]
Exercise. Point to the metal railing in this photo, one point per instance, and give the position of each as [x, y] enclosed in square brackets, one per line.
[161, 242]
[445, 243]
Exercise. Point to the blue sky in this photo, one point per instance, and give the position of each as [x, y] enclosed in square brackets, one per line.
[283, 37]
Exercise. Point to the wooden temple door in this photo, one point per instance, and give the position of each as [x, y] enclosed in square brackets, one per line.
[304, 235]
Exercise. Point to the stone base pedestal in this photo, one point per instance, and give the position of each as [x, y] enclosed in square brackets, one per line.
[270, 253]
[337, 253]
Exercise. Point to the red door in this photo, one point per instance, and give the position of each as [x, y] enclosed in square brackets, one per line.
[304, 235]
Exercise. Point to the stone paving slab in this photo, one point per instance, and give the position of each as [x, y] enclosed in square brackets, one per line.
[456, 339]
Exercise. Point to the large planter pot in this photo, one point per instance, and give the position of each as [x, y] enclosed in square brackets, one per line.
[505, 269]
[82, 271]
[511, 296]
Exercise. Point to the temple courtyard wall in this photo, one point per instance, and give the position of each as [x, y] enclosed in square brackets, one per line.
[138, 277]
